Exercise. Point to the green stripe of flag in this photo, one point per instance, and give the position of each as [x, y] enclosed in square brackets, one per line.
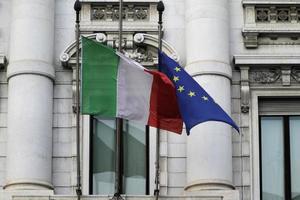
[99, 79]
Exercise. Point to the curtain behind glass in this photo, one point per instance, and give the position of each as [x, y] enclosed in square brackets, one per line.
[272, 158]
[103, 142]
[134, 138]
[295, 156]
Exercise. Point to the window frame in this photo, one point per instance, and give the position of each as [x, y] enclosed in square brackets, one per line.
[86, 131]
[253, 123]
[286, 153]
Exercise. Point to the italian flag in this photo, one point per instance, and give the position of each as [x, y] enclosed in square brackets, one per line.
[116, 86]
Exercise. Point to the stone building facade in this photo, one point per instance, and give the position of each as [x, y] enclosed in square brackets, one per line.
[245, 53]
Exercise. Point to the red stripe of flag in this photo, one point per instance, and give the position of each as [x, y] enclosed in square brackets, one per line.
[164, 111]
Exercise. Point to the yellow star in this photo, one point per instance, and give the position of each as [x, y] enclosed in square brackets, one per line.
[181, 88]
[204, 98]
[176, 78]
[177, 69]
[192, 94]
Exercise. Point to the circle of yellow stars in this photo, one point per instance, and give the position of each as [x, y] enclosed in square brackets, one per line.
[181, 88]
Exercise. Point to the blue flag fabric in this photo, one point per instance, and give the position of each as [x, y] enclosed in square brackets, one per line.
[195, 104]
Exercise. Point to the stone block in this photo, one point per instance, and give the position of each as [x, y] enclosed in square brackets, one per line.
[236, 149]
[163, 164]
[61, 179]
[245, 148]
[177, 179]
[245, 120]
[3, 105]
[62, 91]
[175, 191]
[237, 178]
[236, 91]
[62, 149]
[3, 134]
[2, 178]
[63, 106]
[235, 106]
[63, 77]
[3, 120]
[236, 118]
[163, 148]
[236, 75]
[2, 163]
[176, 139]
[236, 164]
[62, 120]
[246, 177]
[63, 191]
[62, 135]
[2, 148]
[3, 90]
[164, 178]
[62, 164]
[3, 77]
[177, 150]
[177, 165]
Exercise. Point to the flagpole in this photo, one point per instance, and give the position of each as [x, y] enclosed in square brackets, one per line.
[119, 122]
[77, 8]
[160, 9]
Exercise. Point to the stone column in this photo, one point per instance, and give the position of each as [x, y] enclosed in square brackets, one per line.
[209, 148]
[30, 99]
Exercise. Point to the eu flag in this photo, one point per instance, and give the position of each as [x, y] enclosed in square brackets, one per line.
[195, 104]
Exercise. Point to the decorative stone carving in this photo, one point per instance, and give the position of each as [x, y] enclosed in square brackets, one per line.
[264, 77]
[245, 90]
[141, 55]
[271, 23]
[277, 14]
[101, 37]
[140, 47]
[110, 12]
[262, 15]
[250, 40]
[295, 74]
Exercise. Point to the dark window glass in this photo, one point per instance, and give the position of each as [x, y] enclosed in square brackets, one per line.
[134, 157]
[280, 157]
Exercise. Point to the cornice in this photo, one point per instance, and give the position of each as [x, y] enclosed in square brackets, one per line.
[271, 60]
[273, 2]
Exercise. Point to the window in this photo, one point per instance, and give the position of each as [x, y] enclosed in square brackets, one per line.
[134, 157]
[280, 157]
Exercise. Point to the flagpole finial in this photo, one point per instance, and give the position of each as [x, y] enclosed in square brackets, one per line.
[77, 6]
[160, 8]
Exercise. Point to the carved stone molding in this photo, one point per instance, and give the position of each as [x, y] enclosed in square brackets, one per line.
[3, 61]
[266, 71]
[295, 74]
[271, 23]
[245, 90]
[140, 47]
[104, 15]
[277, 14]
[266, 76]
[110, 12]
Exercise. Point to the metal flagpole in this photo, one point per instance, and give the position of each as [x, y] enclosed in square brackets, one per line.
[160, 9]
[77, 8]
[119, 123]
